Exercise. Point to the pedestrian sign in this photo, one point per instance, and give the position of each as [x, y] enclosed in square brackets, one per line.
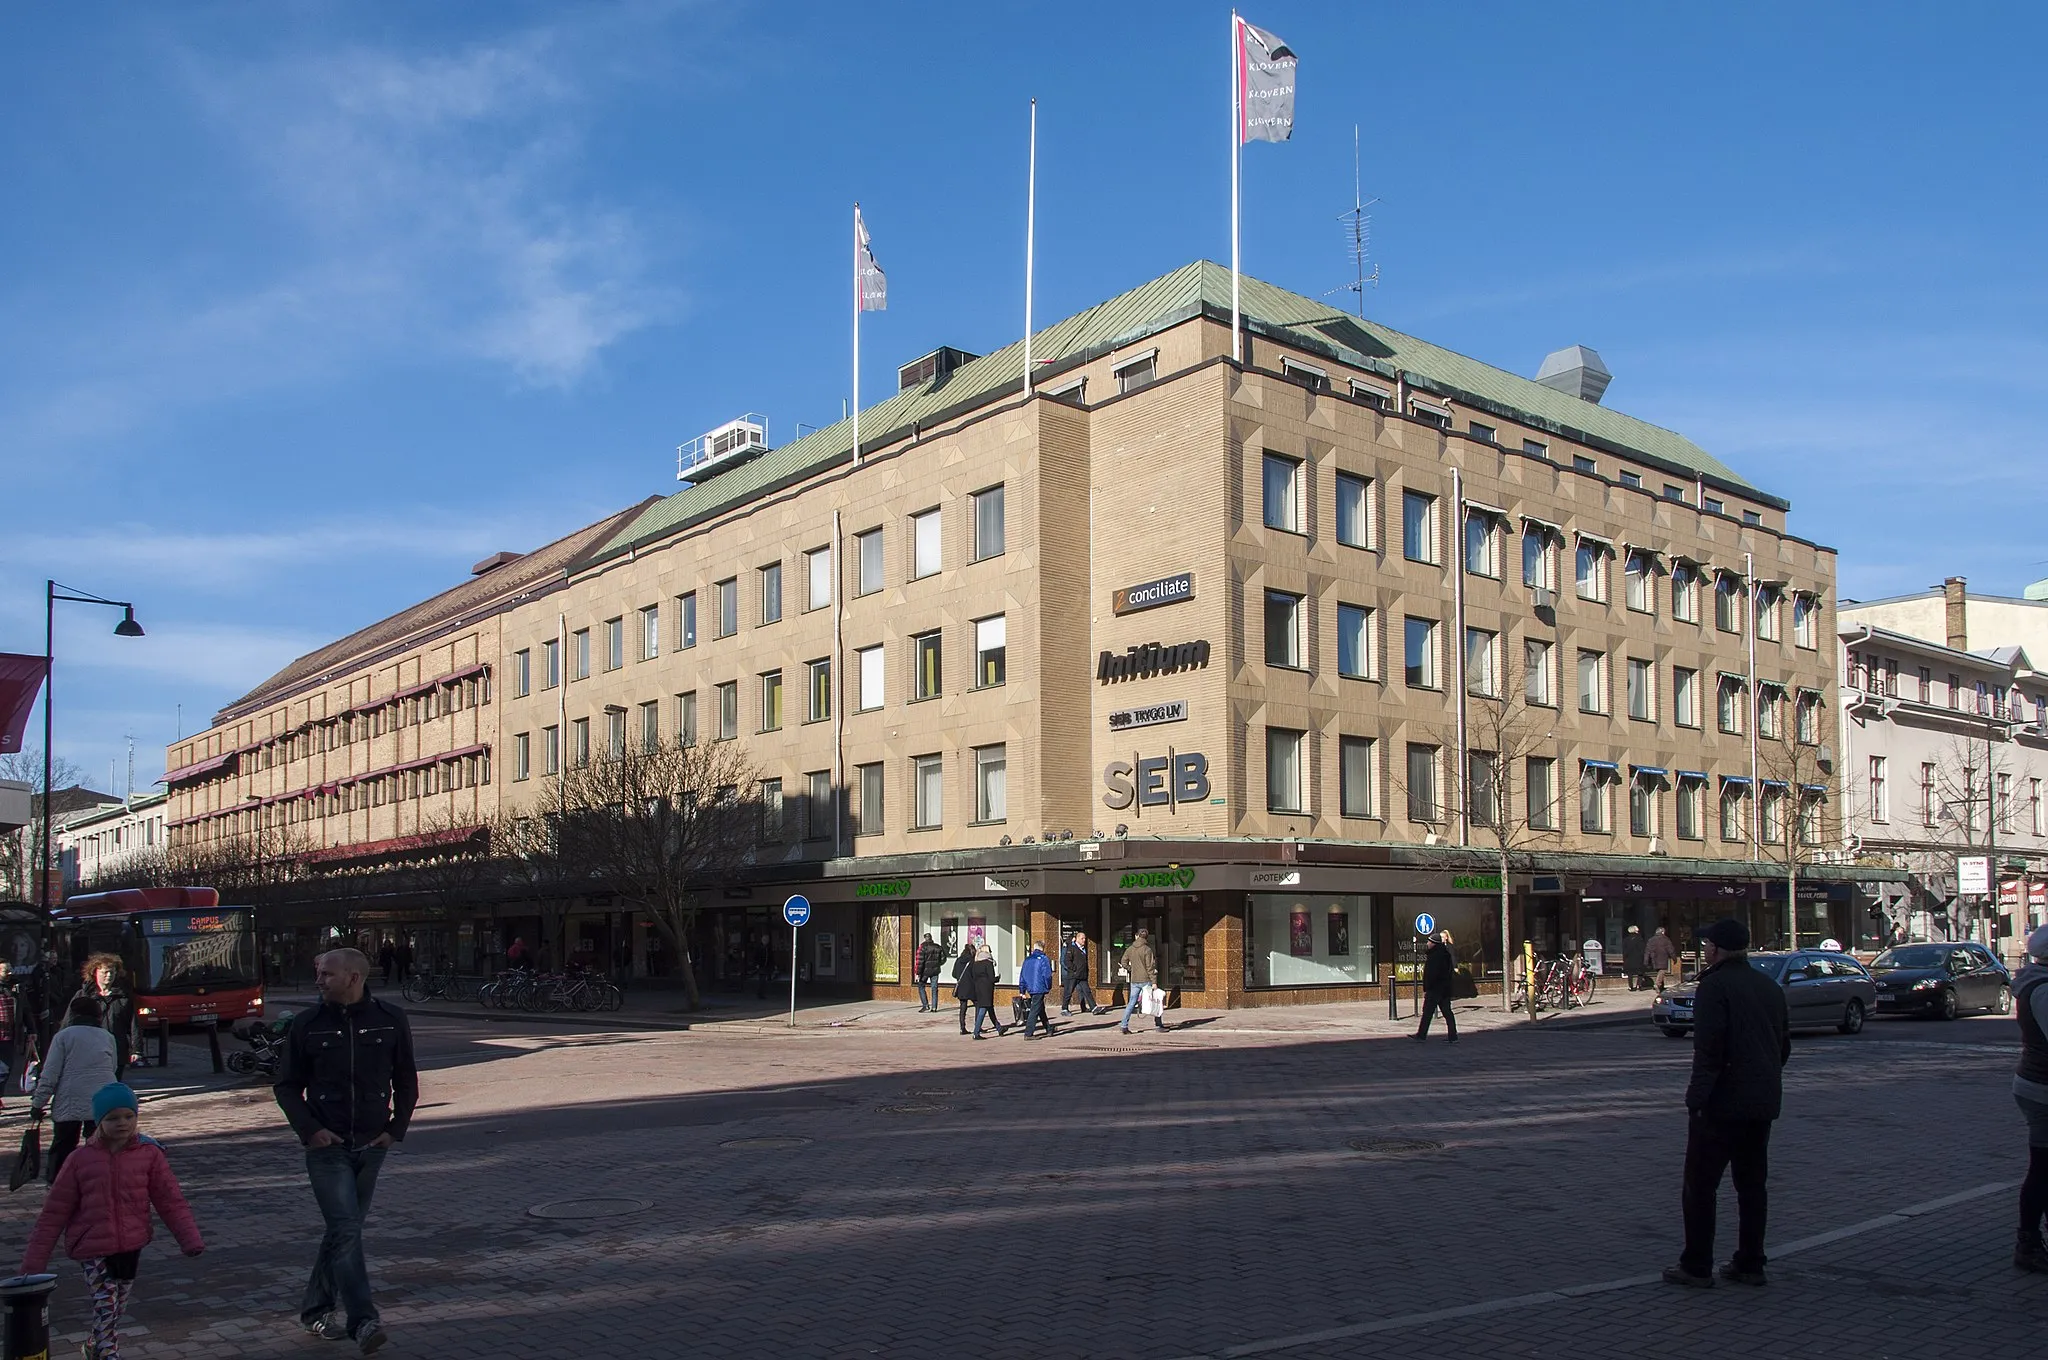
[1425, 924]
[796, 909]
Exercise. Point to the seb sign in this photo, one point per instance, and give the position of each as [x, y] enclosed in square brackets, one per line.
[1157, 781]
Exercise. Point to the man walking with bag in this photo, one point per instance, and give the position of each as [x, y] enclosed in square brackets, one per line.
[1741, 1041]
[1143, 966]
[348, 1085]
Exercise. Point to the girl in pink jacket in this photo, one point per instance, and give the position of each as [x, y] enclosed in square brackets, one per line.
[100, 1203]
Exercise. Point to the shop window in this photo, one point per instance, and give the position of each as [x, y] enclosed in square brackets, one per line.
[1303, 940]
[1001, 925]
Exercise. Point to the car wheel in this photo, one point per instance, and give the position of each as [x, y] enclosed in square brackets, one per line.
[2003, 1004]
[1948, 1003]
[1673, 1032]
[1852, 1018]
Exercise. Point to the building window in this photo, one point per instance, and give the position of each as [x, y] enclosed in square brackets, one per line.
[551, 750]
[522, 755]
[818, 578]
[1481, 432]
[818, 684]
[650, 632]
[1482, 543]
[1581, 463]
[1674, 492]
[1482, 788]
[1806, 718]
[1592, 800]
[2003, 808]
[1378, 398]
[988, 523]
[867, 816]
[868, 554]
[550, 663]
[1283, 493]
[579, 742]
[1422, 801]
[728, 595]
[1354, 642]
[771, 811]
[990, 773]
[1809, 818]
[579, 654]
[650, 726]
[927, 791]
[1592, 681]
[924, 545]
[1539, 779]
[1536, 448]
[2034, 806]
[924, 666]
[869, 669]
[1539, 678]
[615, 732]
[1804, 607]
[1641, 574]
[1591, 570]
[1734, 811]
[1354, 511]
[522, 673]
[1283, 770]
[771, 701]
[1728, 704]
[1769, 706]
[1685, 696]
[1642, 806]
[1771, 813]
[818, 806]
[1767, 601]
[1752, 518]
[1355, 769]
[686, 621]
[1418, 527]
[728, 710]
[1539, 557]
[1642, 699]
[1713, 505]
[614, 643]
[686, 718]
[1430, 413]
[1687, 807]
[1632, 480]
[1927, 808]
[1418, 653]
[1133, 374]
[1482, 663]
[1315, 379]
[1727, 603]
[1283, 629]
[771, 593]
[1685, 593]
[991, 638]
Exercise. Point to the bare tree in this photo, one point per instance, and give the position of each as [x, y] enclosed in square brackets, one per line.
[1792, 805]
[23, 850]
[1971, 804]
[658, 827]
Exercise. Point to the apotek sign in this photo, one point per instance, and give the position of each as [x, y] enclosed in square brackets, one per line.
[1153, 594]
[888, 887]
[1182, 879]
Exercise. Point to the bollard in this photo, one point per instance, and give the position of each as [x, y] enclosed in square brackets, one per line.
[213, 1044]
[163, 1041]
[27, 1299]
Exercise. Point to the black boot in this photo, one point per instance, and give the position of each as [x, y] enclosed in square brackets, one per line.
[2030, 1254]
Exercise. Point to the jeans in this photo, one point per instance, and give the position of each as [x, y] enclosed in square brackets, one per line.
[981, 1011]
[1035, 1015]
[1138, 990]
[928, 993]
[1073, 985]
[1713, 1146]
[343, 1180]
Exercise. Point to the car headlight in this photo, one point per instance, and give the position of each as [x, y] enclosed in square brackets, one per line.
[1926, 984]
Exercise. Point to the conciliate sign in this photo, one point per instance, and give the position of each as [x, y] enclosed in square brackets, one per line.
[1152, 594]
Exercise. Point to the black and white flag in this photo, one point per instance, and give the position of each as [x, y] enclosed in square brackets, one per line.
[1265, 86]
[870, 286]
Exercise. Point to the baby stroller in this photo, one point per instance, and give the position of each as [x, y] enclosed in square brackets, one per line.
[265, 1038]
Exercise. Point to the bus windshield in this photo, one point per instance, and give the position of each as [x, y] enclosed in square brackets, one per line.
[190, 949]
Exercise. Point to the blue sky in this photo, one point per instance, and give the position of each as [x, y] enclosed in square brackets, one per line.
[306, 307]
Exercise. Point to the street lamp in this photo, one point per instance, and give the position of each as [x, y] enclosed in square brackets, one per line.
[127, 628]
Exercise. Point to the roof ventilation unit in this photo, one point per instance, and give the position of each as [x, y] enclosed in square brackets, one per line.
[934, 366]
[721, 450]
[494, 561]
[1577, 372]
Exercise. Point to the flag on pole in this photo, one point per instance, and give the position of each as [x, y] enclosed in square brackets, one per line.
[21, 679]
[871, 286]
[1265, 86]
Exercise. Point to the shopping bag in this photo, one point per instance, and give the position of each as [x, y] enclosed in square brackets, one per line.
[28, 1162]
[1155, 1002]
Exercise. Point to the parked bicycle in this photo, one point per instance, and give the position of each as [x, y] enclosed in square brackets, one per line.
[1562, 983]
[578, 990]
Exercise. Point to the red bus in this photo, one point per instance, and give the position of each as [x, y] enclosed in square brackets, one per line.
[190, 960]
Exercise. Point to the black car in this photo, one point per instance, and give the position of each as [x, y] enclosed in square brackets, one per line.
[1823, 990]
[1941, 980]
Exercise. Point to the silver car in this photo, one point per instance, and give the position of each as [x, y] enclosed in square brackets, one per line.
[1823, 990]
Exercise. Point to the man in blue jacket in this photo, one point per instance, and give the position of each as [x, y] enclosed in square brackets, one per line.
[1036, 980]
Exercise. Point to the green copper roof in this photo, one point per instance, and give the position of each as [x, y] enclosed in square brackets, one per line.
[1201, 288]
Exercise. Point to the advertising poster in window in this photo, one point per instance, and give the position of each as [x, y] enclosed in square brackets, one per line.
[977, 931]
[1340, 933]
[949, 936]
[885, 943]
[1301, 936]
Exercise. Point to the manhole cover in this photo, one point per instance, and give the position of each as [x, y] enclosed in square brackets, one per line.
[590, 1208]
[1394, 1147]
[913, 1109]
[769, 1142]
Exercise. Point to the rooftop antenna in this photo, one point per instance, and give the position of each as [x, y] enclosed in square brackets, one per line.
[131, 769]
[1358, 234]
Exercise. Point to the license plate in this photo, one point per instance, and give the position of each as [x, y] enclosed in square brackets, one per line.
[203, 1016]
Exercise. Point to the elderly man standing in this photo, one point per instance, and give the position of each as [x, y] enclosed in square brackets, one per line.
[1741, 1037]
[348, 1085]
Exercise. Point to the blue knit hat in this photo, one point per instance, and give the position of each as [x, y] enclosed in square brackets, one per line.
[113, 1096]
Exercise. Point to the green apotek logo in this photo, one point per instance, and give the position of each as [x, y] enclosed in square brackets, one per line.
[1158, 878]
[888, 887]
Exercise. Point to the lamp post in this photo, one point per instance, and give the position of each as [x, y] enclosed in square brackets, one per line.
[127, 628]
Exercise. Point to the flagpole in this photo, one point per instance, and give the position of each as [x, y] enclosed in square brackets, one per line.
[856, 337]
[1030, 231]
[1236, 146]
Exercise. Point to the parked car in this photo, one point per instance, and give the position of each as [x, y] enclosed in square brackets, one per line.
[1823, 990]
[1941, 980]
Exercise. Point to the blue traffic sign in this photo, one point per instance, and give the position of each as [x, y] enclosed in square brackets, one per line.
[796, 909]
[1425, 924]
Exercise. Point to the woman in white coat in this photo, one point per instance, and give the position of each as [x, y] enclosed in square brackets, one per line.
[82, 1058]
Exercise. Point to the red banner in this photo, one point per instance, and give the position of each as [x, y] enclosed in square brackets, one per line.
[21, 679]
